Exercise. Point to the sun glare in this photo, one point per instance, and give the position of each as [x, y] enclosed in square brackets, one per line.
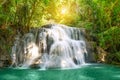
[64, 10]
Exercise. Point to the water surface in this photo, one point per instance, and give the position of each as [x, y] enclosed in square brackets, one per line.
[86, 72]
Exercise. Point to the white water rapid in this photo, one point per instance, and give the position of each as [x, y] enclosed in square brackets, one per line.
[52, 46]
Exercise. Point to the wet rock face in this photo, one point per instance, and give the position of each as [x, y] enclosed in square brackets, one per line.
[50, 46]
[1, 64]
[4, 60]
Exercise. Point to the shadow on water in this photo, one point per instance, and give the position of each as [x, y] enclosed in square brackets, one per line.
[86, 72]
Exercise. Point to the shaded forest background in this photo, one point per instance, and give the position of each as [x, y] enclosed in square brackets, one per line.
[100, 17]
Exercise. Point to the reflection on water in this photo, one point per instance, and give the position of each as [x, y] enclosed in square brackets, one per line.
[86, 72]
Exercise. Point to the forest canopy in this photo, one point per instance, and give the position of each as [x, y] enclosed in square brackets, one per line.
[102, 17]
[34, 13]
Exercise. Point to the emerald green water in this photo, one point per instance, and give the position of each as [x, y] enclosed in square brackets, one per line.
[87, 72]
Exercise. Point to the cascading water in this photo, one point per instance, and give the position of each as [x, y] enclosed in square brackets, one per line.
[52, 46]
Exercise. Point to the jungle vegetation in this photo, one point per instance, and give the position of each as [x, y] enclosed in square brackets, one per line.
[101, 17]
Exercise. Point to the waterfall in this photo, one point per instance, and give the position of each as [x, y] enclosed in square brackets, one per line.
[51, 46]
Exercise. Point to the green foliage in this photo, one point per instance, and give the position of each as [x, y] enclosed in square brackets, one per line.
[113, 58]
[102, 17]
[110, 39]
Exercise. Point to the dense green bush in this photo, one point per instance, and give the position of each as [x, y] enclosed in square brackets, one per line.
[110, 39]
[113, 58]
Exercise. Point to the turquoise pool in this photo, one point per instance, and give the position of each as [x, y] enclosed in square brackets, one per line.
[86, 72]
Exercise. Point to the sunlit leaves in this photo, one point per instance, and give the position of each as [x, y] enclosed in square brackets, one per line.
[110, 38]
[46, 2]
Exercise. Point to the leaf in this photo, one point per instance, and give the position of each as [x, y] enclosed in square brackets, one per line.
[46, 2]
